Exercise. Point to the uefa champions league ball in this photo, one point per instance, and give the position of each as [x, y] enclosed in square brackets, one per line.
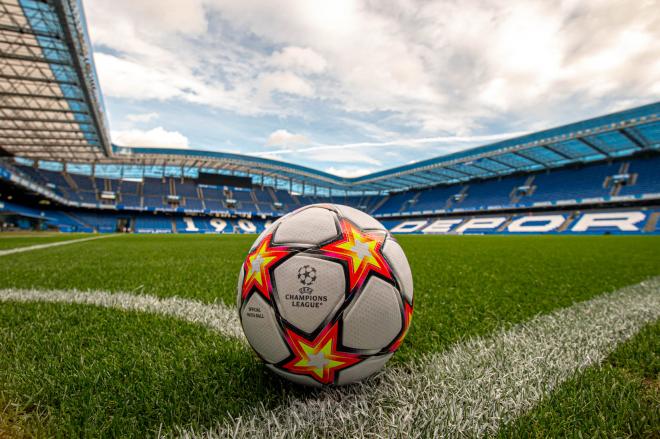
[325, 295]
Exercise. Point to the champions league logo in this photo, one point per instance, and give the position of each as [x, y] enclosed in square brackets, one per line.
[307, 277]
[304, 298]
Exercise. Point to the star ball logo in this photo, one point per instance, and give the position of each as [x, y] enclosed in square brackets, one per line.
[307, 277]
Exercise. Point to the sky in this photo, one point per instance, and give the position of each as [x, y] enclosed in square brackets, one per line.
[353, 87]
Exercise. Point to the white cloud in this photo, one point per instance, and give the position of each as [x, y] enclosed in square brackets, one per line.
[285, 139]
[401, 74]
[451, 142]
[142, 117]
[349, 172]
[285, 82]
[156, 137]
[124, 78]
[298, 58]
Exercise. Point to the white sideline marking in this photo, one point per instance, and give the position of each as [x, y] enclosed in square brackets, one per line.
[217, 316]
[470, 389]
[51, 244]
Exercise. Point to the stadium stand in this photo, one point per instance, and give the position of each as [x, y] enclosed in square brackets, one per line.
[630, 177]
[603, 161]
[71, 177]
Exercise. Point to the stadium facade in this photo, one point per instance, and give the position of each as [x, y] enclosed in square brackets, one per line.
[58, 168]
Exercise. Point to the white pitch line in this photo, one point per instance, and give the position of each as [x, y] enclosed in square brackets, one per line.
[469, 390]
[216, 316]
[12, 251]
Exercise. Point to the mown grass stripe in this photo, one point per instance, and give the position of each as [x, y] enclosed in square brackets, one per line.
[217, 316]
[471, 389]
[12, 251]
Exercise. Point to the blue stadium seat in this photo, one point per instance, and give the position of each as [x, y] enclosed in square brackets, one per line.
[572, 184]
[648, 177]
[153, 224]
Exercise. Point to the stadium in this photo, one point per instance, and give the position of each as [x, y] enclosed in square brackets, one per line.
[109, 332]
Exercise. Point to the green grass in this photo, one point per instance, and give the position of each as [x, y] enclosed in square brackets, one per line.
[464, 286]
[619, 399]
[16, 241]
[72, 370]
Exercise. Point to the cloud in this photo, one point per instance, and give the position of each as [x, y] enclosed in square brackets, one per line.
[125, 78]
[362, 74]
[349, 172]
[453, 142]
[287, 140]
[156, 137]
[298, 58]
[285, 82]
[142, 117]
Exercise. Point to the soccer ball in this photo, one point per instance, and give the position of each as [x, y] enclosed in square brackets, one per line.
[325, 295]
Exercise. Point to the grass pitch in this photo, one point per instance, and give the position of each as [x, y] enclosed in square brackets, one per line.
[76, 370]
[20, 240]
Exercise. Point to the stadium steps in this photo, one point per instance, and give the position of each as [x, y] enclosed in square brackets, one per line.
[70, 181]
[253, 197]
[505, 224]
[174, 226]
[529, 182]
[568, 222]
[379, 204]
[200, 195]
[269, 190]
[652, 223]
[616, 188]
[409, 203]
[463, 193]
[77, 220]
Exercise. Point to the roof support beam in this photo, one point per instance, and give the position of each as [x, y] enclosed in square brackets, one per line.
[17, 39]
[41, 109]
[558, 152]
[45, 130]
[434, 177]
[35, 79]
[48, 143]
[489, 171]
[467, 174]
[633, 139]
[37, 96]
[445, 179]
[34, 59]
[593, 146]
[419, 177]
[27, 30]
[520, 154]
[508, 165]
[407, 178]
[38, 120]
[47, 138]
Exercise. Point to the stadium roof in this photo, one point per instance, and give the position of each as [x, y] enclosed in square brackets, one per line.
[50, 104]
[51, 109]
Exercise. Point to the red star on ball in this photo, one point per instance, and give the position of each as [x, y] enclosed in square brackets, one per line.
[362, 251]
[319, 358]
[257, 267]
